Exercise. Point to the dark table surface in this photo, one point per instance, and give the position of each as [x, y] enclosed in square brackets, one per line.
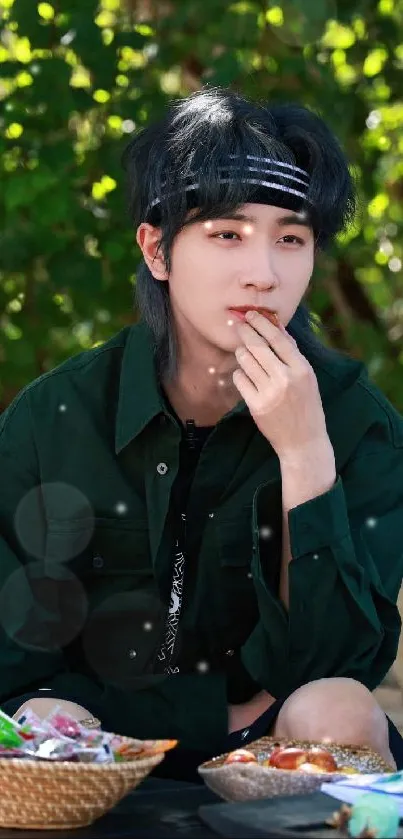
[164, 809]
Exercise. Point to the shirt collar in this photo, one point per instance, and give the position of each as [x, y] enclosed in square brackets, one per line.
[140, 394]
[141, 397]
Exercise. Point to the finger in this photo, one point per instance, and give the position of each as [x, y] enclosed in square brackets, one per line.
[262, 352]
[276, 337]
[245, 387]
[251, 367]
[287, 334]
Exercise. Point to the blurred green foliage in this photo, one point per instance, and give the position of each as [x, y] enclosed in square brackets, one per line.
[76, 78]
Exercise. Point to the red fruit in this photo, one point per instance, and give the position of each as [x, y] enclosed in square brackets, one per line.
[275, 751]
[323, 758]
[288, 758]
[241, 756]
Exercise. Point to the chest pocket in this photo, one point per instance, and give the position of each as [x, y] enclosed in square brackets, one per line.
[237, 594]
[125, 614]
[101, 547]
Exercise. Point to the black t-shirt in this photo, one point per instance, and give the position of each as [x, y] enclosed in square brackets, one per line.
[240, 686]
[193, 439]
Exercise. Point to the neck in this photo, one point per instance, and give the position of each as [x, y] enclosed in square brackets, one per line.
[202, 388]
[204, 399]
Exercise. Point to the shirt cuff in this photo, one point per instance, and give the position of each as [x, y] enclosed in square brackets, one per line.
[319, 522]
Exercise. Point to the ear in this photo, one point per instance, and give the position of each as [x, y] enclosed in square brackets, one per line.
[148, 238]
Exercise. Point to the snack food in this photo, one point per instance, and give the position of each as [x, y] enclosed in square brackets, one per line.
[271, 316]
[348, 770]
[322, 758]
[314, 759]
[241, 756]
[371, 817]
[307, 760]
[312, 769]
[241, 782]
[287, 758]
[60, 737]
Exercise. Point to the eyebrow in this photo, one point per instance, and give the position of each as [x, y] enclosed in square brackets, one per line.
[282, 221]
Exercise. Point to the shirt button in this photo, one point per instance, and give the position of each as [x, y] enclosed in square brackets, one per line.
[97, 562]
[229, 652]
[211, 515]
[162, 468]
[132, 653]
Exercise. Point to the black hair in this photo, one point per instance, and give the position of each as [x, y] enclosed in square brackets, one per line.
[191, 142]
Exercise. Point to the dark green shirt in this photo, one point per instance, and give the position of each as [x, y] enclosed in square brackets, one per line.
[88, 459]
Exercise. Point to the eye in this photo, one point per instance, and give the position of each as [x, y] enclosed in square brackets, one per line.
[227, 234]
[292, 240]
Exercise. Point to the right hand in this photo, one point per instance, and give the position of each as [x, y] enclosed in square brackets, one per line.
[241, 716]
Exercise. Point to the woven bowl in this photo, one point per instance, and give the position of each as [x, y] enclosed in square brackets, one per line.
[59, 795]
[245, 781]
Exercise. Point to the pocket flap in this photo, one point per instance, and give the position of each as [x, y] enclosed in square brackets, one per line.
[101, 546]
[236, 539]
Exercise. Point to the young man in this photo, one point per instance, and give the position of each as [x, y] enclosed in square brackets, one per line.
[201, 519]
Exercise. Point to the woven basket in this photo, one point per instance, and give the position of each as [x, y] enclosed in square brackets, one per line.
[61, 795]
[245, 781]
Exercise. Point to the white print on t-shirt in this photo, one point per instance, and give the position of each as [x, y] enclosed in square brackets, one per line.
[172, 622]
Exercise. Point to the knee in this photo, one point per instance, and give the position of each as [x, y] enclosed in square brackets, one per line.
[338, 710]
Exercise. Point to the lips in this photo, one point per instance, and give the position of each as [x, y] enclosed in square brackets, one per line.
[267, 313]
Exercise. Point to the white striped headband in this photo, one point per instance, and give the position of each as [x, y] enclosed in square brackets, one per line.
[274, 175]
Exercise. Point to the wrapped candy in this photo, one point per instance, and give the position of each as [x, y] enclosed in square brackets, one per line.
[60, 737]
[66, 726]
[35, 727]
[376, 815]
[10, 736]
[130, 749]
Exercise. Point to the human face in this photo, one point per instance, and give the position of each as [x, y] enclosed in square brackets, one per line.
[262, 256]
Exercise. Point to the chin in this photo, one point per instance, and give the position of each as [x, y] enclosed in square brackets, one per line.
[225, 342]
[231, 344]
[219, 339]
[232, 337]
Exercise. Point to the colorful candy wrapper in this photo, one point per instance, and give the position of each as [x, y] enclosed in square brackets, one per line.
[53, 749]
[64, 725]
[10, 733]
[32, 737]
[60, 737]
[36, 728]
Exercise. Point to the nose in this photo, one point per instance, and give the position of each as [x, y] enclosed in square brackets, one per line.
[260, 272]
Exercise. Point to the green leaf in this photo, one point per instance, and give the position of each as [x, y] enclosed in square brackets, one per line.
[224, 70]
[343, 58]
